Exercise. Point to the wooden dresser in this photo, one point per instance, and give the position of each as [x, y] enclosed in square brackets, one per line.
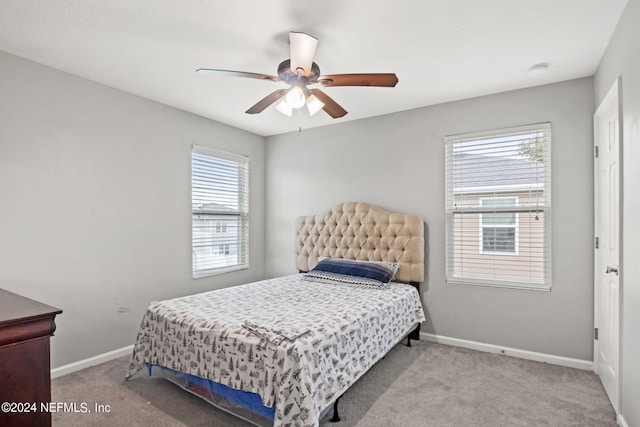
[25, 369]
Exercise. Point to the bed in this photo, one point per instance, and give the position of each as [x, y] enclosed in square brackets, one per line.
[282, 351]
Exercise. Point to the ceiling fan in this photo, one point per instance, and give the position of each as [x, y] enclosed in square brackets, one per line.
[300, 72]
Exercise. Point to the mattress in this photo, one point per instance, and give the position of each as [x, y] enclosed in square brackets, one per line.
[336, 333]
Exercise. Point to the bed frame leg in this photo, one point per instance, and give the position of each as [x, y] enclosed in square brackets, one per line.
[413, 335]
[335, 417]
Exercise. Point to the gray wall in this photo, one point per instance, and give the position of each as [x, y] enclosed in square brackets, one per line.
[397, 162]
[94, 187]
[95, 203]
[622, 58]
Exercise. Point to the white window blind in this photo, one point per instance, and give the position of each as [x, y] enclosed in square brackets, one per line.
[220, 211]
[498, 208]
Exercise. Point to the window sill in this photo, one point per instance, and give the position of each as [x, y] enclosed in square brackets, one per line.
[216, 271]
[499, 284]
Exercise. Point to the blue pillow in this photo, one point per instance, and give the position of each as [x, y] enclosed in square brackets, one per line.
[375, 274]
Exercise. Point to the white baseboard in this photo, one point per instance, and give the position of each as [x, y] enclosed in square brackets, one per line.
[92, 361]
[473, 345]
[622, 422]
[586, 365]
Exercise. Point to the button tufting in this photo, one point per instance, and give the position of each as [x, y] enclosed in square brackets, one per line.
[380, 236]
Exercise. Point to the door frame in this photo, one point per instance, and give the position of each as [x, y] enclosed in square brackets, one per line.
[614, 92]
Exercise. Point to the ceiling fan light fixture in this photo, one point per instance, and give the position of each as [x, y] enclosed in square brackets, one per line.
[284, 108]
[295, 97]
[314, 104]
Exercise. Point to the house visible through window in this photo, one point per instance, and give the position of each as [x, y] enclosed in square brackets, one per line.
[498, 228]
[220, 211]
[221, 227]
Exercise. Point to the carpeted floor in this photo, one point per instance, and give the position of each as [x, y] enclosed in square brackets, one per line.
[426, 385]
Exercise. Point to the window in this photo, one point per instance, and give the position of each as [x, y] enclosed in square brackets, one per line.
[221, 227]
[498, 208]
[499, 230]
[220, 211]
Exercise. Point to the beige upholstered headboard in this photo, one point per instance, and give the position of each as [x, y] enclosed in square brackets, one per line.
[363, 232]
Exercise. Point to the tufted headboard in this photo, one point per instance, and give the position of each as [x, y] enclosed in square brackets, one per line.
[363, 232]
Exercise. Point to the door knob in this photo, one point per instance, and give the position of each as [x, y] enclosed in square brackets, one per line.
[612, 270]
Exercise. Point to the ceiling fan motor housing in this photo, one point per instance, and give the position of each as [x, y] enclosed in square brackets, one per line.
[290, 76]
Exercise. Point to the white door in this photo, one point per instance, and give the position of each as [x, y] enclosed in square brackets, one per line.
[607, 231]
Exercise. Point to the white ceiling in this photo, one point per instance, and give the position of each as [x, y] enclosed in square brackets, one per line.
[441, 50]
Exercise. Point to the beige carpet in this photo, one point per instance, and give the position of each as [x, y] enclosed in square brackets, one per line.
[426, 385]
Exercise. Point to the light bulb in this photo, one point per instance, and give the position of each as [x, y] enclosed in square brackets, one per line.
[284, 108]
[295, 97]
[314, 104]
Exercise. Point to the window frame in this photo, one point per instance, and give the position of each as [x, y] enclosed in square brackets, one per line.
[241, 213]
[454, 214]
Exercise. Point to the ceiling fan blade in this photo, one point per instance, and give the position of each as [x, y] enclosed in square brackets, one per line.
[303, 49]
[330, 106]
[230, 73]
[266, 101]
[383, 80]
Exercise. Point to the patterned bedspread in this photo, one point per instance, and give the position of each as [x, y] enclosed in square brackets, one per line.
[340, 332]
